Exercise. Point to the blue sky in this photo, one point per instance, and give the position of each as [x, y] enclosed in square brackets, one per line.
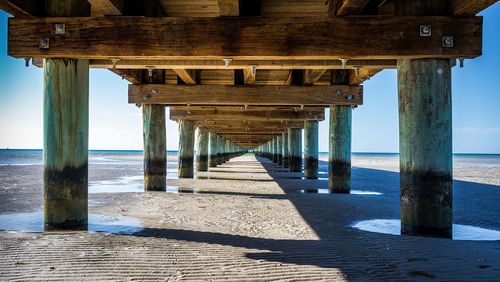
[114, 124]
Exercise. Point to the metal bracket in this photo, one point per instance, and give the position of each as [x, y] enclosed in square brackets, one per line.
[425, 30]
[44, 43]
[447, 41]
[356, 70]
[253, 68]
[150, 70]
[114, 61]
[60, 28]
[344, 63]
[227, 61]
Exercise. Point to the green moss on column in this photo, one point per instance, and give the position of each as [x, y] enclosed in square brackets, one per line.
[279, 151]
[186, 148]
[154, 136]
[425, 144]
[202, 149]
[295, 149]
[311, 149]
[284, 138]
[339, 163]
[212, 152]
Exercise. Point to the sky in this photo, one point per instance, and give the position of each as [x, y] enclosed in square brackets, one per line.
[116, 125]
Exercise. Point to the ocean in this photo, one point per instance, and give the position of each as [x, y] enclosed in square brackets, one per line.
[35, 157]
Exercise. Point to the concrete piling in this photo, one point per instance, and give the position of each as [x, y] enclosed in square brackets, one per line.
[212, 152]
[311, 149]
[295, 149]
[202, 149]
[186, 148]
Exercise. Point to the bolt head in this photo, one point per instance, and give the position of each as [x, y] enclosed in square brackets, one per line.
[425, 30]
[349, 97]
[339, 92]
[44, 43]
[447, 41]
[154, 90]
[145, 96]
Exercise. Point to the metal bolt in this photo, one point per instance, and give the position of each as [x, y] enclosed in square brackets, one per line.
[114, 61]
[447, 41]
[356, 70]
[145, 96]
[425, 30]
[309, 113]
[44, 43]
[138, 105]
[302, 107]
[60, 28]
[349, 97]
[338, 91]
[461, 60]
[26, 62]
[246, 107]
[154, 90]
[150, 70]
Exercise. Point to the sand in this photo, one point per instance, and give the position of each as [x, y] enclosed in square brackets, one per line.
[249, 223]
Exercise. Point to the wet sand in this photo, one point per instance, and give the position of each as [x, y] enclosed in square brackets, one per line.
[248, 222]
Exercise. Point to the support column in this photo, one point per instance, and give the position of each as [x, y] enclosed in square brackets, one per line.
[212, 153]
[284, 138]
[202, 150]
[219, 150]
[154, 137]
[295, 149]
[227, 150]
[339, 162]
[278, 150]
[311, 149]
[65, 134]
[186, 148]
[425, 145]
[425, 136]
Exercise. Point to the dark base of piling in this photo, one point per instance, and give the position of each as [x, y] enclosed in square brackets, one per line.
[66, 226]
[426, 231]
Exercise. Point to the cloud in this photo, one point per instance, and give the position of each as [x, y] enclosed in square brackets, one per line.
[476, 130]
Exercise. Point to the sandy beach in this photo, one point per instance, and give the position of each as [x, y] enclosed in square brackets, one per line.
[247, 221]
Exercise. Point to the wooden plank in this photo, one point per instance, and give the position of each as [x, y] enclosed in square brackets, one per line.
[244, 95]
[133, 76]
[21, 8]
[189, 77]
[246, 38]
[106, 7]
[249, 77]
[228, 8]
[257, 115]
[241, 64]
[311, 76]
[363, 75]
[350, 7]
[470, 7]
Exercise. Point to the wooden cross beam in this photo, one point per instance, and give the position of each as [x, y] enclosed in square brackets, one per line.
[245, 38]
[245, 95]
[178, 113]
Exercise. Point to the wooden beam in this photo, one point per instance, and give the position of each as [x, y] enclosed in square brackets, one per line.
[245, 95]
[133, 76]
[249, 77]
[349, 7]
[106, 7]
[241, 64]
[250, 124]
[265, 130]
[245, 38]
[254, 115]
[188, 76]
[311, 76]
[470, 7]
[228, 8]
[362, 76]
[21, 8]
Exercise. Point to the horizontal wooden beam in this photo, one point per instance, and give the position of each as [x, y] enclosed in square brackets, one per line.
[106, 7]
[244, 95]
[469, 7]
[246, 131]
[252, 115]
[21, 8]
[241, 64]
[245, 38]
[350, 7]
[250, 108]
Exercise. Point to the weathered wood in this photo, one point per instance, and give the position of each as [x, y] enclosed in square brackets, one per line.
[279, 145]
[339, 163]
[285, 64]
[348, 7]
[252, 115]
[284, 149]
[188, 76]
[312, 75]
[106, 7]
[295, 149]
[212, 152]
[245, 95]
[186, 149]
[202, 149]
[22, 8]
[471, 7]
[225, 124]
[65, 138]
[311, 149]
[362, 76]
[228, 8]
[246, 38]
[68, 8]
[425, 145]
[155, 158]
[249, 77]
